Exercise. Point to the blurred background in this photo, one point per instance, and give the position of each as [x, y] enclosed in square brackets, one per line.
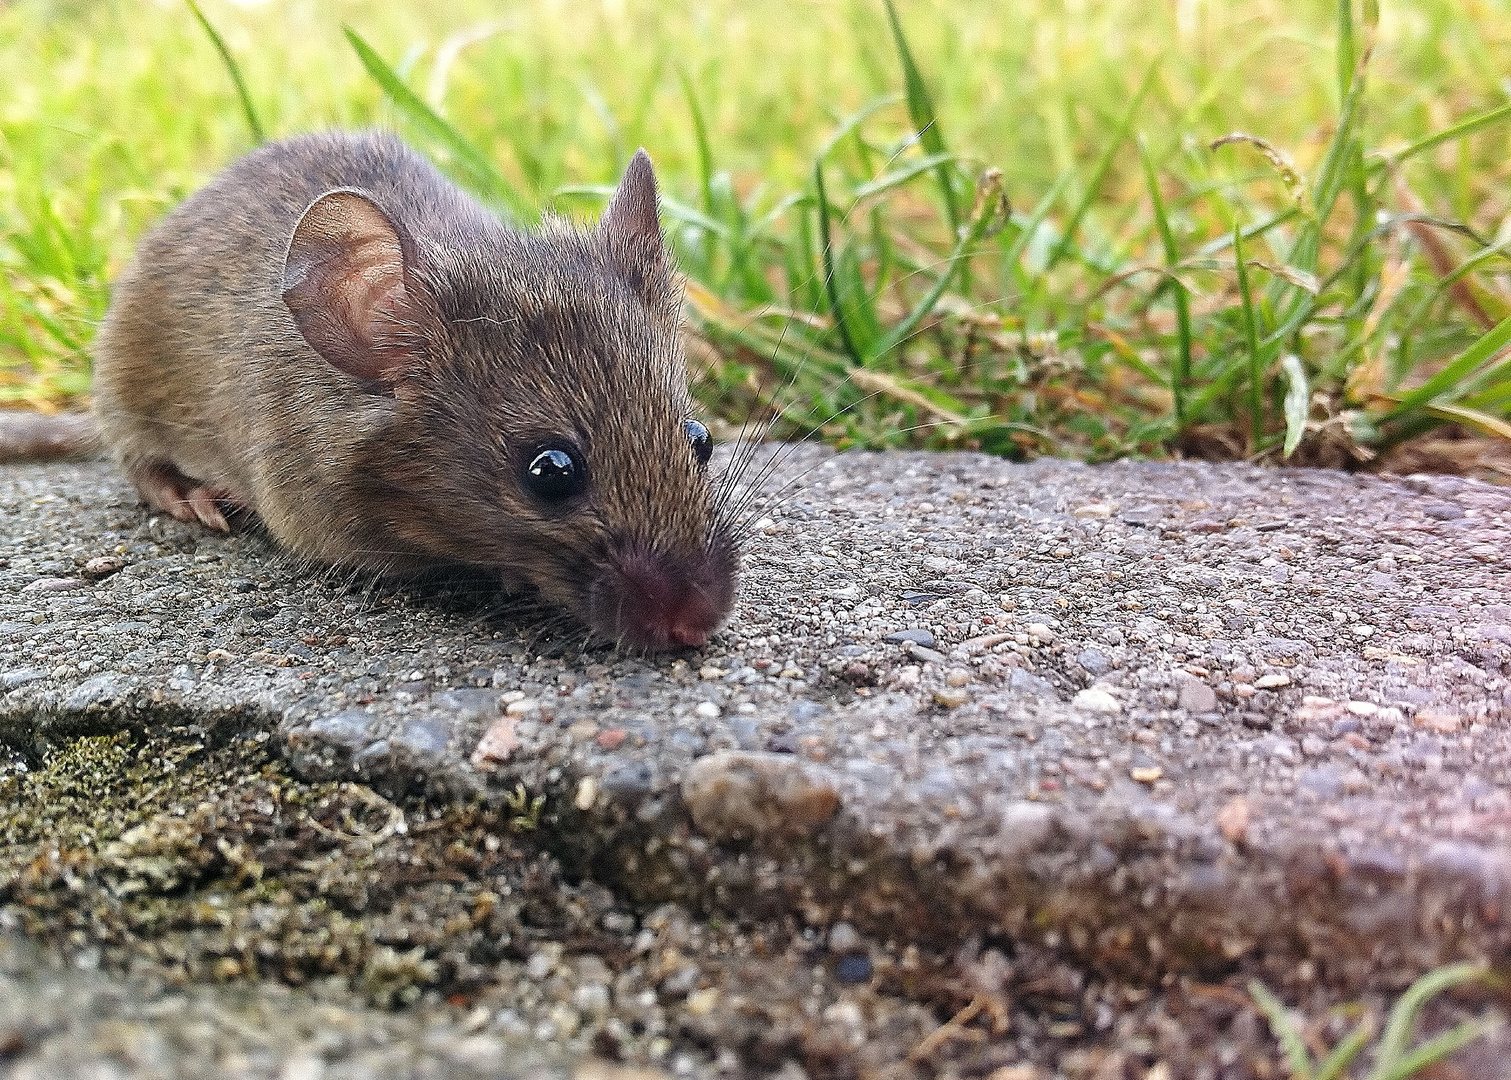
[1269, 229]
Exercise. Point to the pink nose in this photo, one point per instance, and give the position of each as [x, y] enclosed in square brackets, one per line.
[689, 633]
[665, 608]
[654, 601]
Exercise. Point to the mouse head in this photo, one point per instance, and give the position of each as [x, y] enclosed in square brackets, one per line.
[539, 421]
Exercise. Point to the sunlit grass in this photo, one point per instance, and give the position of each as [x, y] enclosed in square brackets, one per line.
[1104, 315]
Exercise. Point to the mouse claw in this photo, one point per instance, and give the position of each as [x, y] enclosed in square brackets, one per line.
[202, 504]
[171, 491]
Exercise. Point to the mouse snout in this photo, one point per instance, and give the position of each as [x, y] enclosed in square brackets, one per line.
[653, 600]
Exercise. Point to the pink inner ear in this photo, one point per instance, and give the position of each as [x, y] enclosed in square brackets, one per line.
[373, 290]
[343, 281]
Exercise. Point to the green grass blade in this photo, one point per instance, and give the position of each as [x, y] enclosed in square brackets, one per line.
[1222, 243]
[234, 70]
[1298, 401]
[1347, 53]
[1103, 164]
[1343, 1055]
[925, 122]
[1291, 1043]
[1340, 164]
[855, 120]
[991, 202]
[1030, 225]
[678, 211]
[488, 180]
[1460, 130]
[1473, 419]
[1494, 380]
[700, 135]
[898, 177]
[1180, 370]
[1251, 344]
[856, 301]
[826, 249]
[1330, 181]
[1494, 399]
[1403, 1016]
[1437, 1048]
[603, 111]
[1458, 369]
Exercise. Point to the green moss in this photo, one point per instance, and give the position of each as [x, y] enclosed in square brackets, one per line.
[205, 863]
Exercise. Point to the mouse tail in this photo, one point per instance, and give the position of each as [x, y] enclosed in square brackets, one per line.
[32, 436]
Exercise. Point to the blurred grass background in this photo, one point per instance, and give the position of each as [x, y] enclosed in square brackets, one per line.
[984, 225]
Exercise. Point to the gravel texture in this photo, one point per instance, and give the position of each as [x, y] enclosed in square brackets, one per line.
[998, 767]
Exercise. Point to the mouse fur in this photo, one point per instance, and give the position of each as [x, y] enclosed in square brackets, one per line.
[332, 336]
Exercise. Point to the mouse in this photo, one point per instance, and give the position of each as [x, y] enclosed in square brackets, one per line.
[332, 338]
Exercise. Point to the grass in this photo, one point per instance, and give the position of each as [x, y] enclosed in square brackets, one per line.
[1254, 229]
[1394, 1056]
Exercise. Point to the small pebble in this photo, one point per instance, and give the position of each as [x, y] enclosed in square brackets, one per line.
[853, 968]
[1272, 682]
[843, 938]
[102, 566]
[1197, 697]
[497, 743]
[592, 998]
[681, 982]
[857, 674]
[702, 1002]
[1233, 819]
[916, 636]
[55, 585]
[1440, 721]
[612, 739]
[951, 697]
[1096, 700]
[540, 965]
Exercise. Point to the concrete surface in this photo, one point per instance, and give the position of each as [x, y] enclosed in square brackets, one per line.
[1158, 720]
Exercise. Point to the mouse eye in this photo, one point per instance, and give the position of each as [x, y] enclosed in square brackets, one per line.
[703, 444]
[555, 475]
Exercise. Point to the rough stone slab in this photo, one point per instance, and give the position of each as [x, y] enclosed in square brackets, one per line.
[1172, 715]
[57, 1024]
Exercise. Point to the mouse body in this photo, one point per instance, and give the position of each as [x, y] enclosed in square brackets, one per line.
[332, 336]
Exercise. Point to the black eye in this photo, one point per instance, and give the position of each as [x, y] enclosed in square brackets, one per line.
[703, 444]
[554, 475]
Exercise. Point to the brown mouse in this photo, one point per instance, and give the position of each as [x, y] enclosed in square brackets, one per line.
[332, 336]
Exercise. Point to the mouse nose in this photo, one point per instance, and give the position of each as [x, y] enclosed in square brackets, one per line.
[692, 625]
[654, 601]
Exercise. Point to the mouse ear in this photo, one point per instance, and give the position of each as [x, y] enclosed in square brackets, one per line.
[344, 282]
[630, 232]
